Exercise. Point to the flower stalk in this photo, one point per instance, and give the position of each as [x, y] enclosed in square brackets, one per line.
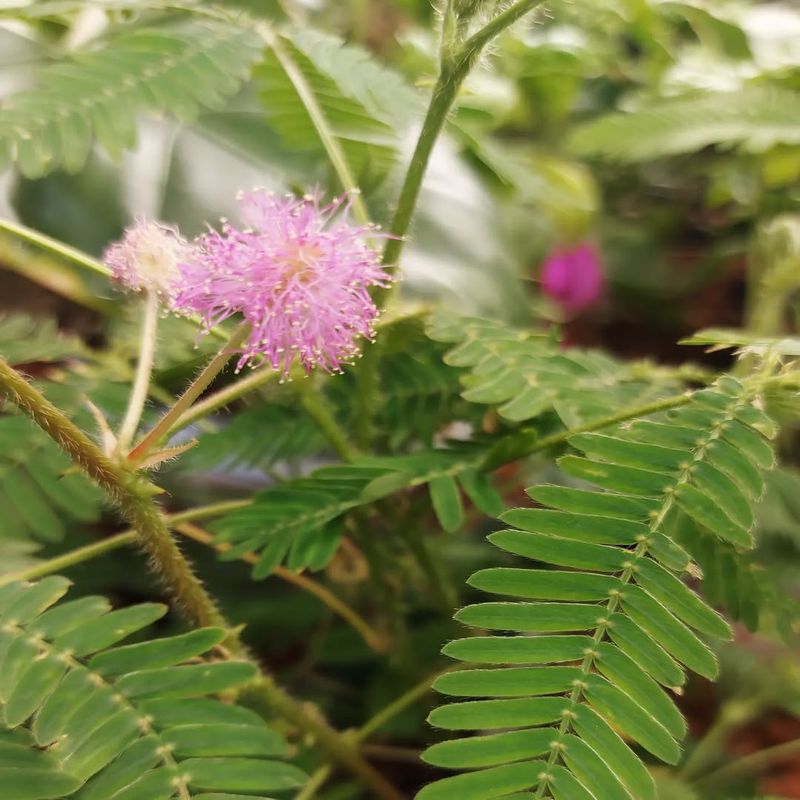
[161, 429]
[144, 371]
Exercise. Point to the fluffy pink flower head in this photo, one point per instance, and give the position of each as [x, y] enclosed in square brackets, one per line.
[299, 276]
[573, 277]
[147, 258]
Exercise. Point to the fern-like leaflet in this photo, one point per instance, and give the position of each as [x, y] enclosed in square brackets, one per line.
[300, 521]
[96, 94]
[755, 118]
[36, 494]
[84, 717]
[364, 105]
[614, 622]
[525, 374]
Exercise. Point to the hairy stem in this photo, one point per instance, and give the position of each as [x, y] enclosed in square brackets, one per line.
[223, 397]
[144, 370]
[339, 746]
[95, 549]
[133, 494]
[192, 392]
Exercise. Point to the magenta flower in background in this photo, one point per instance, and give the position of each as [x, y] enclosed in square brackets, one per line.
[147, 258]
[573, 277]
[297, 275]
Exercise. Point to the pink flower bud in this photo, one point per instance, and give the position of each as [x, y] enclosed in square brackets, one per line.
[573, 277]
[147, 257]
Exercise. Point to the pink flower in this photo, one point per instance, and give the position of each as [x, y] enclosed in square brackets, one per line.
[147, 257]
[298, 276]
[573, 277]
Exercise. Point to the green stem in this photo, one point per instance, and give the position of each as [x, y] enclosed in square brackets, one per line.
[70, 559]
[453, 70]
[750, 764]
[223, 397]
[455, 64]
[192, 392]
[523, 446]
[89, 551]
[144, 371]
[329, 140]
[317, 407]
[338, 745]
[54, 246]
[384, 716]
[132, 493]
[51, 273]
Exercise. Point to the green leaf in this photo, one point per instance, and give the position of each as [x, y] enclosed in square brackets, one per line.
[161, 653]
[487, 714]
[544, 584]
[622, 589]
[565, 786]
[531, 617]
[592, 770]
[509, 682]
[226, 740]
[484, 784]
[561, 552]
[489, 751]
[623, 672]
[518, 650]
[97, 93]
[707, 513]
[631, 718]
[364, 105]
[681, 600]
[755, 118]
[604, 504]
[121, 723]
[581, 527]
[186, 681]
[478, 488]
[242, 774]
[629, 453]
[596, 732]
[446, 500]
[618, 479]
[36, 784]
[671, 634]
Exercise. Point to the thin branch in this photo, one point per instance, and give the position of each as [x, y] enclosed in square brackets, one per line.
[330, 142]
[95, 549]
[192, 392]
[371, 637]
[54, 246]
[144, 371]
[750, 764]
